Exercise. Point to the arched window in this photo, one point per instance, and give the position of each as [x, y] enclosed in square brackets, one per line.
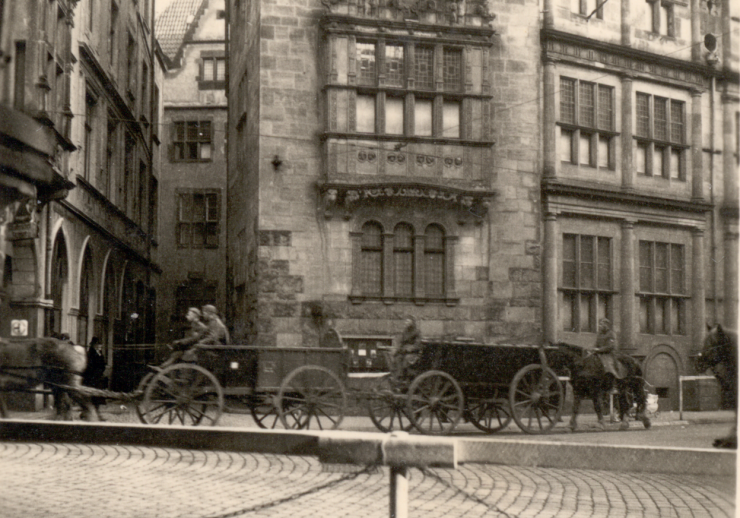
[403, 260]
[371, 266]
[85, 285]
[59, 276]
[434, 261]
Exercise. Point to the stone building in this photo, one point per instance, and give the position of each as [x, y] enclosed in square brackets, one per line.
[84, 264]
[639, 178]
[506, 171]
[192, 180]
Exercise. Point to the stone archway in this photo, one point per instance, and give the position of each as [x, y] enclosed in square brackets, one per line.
[662, 369]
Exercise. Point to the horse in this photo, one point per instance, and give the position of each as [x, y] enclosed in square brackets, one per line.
[590, 381]
[720, 355]
[27, 362]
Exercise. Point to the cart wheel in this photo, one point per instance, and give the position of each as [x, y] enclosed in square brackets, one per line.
[435, 403]
[141, 389]
[182, 394]
[311, 396]
[536, 399]
[387, 407]
[265, 413]
[489, 415]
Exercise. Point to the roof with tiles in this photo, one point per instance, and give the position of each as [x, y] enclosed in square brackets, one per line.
[176, 23]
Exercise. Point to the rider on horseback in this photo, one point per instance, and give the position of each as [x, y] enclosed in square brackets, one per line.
[605, 350]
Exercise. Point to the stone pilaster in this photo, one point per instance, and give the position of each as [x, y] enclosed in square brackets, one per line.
[627, 287]
[550, 279]
[356, 238]
[550, 158]
[696, 37]
[628, 169]
[626, 23]
[730, 211]
[697, 176]
[698, 315]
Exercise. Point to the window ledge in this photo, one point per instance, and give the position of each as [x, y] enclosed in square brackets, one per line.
[359, 299]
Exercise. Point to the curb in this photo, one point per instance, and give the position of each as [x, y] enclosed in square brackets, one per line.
[515, 452]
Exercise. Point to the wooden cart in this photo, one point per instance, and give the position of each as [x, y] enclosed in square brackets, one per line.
[299, 387]
[488, 385]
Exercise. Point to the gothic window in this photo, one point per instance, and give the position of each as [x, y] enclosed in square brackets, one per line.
[587, 282]
[403, 259]
[660, 136]
[371, 267]
[89, 146]
[662, 295]
[434, 261]
[587, 135]
[392, 258]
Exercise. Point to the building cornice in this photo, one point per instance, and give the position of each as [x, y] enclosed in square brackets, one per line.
[594, 193]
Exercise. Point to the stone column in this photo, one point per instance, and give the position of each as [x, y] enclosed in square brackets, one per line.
[628, 169]
[697, 176]
[698, 317]
[549, 14]
[697, 40]
[626, 24]
[550, 158]
[730, 211]
[627, 288]
[550, 279]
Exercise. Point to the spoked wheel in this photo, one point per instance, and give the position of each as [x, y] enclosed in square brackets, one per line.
[489, 415]
[536, 399]
[264, 412]
[183, 394]
[141, 389]
[311, 397]
[435, 403]
[387, 407]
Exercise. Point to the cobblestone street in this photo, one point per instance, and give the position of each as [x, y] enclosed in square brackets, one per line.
[65, 480]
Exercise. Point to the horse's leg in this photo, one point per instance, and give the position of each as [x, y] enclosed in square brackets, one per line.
[3, 406]
[638, 391]
[623, 406]
[596, 395]
[62, 405]
[576, 407]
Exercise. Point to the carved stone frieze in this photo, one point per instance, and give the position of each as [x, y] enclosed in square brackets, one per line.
[341, 199]
[452, 12]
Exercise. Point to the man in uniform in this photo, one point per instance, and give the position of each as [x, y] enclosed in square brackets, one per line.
[216, 332]
[605, 349]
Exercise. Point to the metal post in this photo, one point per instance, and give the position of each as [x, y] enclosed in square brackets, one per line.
[399, 492]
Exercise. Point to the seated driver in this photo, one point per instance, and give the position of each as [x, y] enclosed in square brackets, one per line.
[605, 349]
[193, 337]
[406, 353]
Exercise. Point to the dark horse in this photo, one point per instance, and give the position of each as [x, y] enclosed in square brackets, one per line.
[720, 355]
[590, 381]
[28, 362]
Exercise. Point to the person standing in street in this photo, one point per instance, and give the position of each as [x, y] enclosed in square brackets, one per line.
[95, 375]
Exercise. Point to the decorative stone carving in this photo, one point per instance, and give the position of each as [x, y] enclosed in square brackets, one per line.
[343, 199]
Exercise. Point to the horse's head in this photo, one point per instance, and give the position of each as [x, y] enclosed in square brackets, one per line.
[720, 346]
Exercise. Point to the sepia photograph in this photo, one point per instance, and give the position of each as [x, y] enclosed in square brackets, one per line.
[369, 258]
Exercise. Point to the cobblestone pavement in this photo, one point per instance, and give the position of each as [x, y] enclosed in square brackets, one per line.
[69, 480]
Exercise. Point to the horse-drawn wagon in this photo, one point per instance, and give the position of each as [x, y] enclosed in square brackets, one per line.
[300, 387]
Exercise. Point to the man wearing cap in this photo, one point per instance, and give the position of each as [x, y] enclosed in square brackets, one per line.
[216, 332]
[605, 349]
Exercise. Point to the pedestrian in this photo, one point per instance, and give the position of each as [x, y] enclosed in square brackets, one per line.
[216, 333]
[95, 375]
[406, 352]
